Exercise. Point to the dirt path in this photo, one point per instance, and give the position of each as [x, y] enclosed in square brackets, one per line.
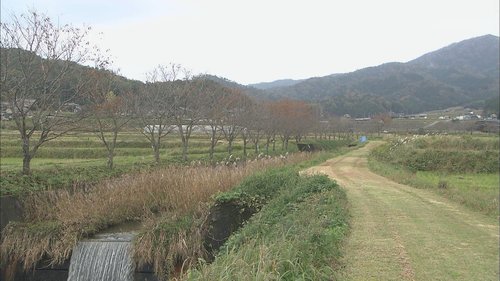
[403, 233]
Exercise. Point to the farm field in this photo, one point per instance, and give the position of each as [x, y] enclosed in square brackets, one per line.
[84, 149]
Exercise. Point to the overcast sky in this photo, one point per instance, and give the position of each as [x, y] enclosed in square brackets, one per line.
[264, 40]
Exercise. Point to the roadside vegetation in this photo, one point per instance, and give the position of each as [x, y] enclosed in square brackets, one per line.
[174, 243]
[282, 241]
[461, 168]
[168, 204]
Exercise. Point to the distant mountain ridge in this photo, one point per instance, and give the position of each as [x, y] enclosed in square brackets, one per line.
[475, 55]
[276, 84]
[463, 73]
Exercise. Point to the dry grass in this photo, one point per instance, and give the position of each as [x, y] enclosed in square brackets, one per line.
[172, 244]
[56, 220]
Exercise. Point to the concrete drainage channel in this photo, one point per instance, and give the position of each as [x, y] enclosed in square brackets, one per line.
[104, 257]
[106, 254]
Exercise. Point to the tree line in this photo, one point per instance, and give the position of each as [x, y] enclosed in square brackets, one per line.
[41, 75]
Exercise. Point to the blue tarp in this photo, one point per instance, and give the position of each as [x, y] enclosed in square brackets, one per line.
[363, 139]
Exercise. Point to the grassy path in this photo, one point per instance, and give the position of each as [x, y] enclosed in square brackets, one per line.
[403, 233]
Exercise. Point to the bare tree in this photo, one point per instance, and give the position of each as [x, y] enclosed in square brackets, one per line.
[304, 119]
[110, 113]
[214, 108]
[155, 107]
[270, 127]
[257, 125]
[189, 101]
[247, 122]
[283, 112]
[235, 105]
[39, 77]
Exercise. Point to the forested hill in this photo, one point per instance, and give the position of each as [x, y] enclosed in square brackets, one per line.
[464, 73]
[11, 58]
[252, 91]
[276, 84]
[16, 59]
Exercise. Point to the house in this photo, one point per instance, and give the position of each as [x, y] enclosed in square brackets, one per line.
[71, 107]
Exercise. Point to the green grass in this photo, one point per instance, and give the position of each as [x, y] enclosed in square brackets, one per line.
[282, 241]
[54, 177]
[462, 168]
[477, 191]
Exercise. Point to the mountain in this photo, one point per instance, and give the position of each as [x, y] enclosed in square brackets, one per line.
[476, 55]
[253, 91]
[121, 84]
[463, 73]
[11, 59]
[275, 84]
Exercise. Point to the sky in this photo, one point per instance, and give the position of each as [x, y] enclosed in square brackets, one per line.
[266, 40]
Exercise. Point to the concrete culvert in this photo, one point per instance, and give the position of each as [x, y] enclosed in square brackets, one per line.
[223, 220]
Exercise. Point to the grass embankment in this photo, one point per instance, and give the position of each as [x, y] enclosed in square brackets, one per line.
[463, 169]
[295, 236]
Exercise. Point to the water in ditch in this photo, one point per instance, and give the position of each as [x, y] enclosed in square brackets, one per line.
[107, 257]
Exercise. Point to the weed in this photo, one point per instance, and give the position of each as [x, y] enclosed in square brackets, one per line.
[282, 241]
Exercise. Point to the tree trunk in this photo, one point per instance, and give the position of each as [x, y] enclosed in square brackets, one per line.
[26, 157]
[185, 150]
[212, 144]
[111, 147]
[230, 147]
[26, 164]
[267, 146]
[111, 155]
[245, 148]
[156, 152]
[185, 141]
[211, 153]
